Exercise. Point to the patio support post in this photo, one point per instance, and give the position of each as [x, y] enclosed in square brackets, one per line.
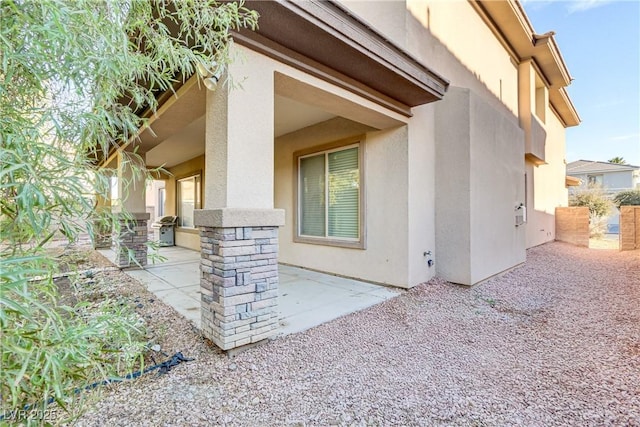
[131, 243]
[239, 274]
[238, 225]
[101, 229]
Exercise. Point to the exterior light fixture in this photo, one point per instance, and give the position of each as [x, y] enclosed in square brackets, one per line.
[204, 70]
[211, 83]
[210, 74]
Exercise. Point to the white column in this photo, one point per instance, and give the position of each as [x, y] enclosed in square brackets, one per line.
[239, 138]
[131, 185]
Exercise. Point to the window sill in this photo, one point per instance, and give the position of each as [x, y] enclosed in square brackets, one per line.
[331, 242]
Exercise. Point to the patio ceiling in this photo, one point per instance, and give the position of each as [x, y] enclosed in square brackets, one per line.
[177, 133]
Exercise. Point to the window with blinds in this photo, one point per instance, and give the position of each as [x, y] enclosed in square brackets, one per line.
[329, 194]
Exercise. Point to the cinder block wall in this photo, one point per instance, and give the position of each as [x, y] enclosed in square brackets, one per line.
[629, 228]
[572, 225]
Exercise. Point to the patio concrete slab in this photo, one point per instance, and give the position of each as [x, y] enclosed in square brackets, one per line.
[307, 298]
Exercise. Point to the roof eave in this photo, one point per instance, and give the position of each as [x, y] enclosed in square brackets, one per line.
[325, 33]
[562, 104]
[512, 26]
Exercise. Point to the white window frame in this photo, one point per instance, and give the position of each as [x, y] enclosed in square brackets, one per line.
[356, 243]
[197, 194]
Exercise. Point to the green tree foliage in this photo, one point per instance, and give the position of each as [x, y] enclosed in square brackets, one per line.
[73, 76]
[618, 160]
[627, 198]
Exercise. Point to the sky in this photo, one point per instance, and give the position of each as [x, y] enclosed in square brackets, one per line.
[600, 43]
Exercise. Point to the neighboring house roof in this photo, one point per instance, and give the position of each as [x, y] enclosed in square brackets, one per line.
[580, 167]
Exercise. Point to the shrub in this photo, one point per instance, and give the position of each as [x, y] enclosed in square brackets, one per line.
[592, 197]
[72, 76]
[599, 206]
[627, 198]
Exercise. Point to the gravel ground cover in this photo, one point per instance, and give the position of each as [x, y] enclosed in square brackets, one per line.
[604, 243]
[554, 342]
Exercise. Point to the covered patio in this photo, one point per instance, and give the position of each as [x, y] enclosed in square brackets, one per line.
[306, 298]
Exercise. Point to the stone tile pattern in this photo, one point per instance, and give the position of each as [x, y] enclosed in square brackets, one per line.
[629, 228]
[102, 237]
[133, 236]
[572, 225]
[239, 284]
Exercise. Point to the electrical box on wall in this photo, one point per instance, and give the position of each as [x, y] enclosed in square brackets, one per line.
[521, 214]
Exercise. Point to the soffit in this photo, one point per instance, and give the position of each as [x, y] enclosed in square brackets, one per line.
[561, 103]
[185, 108]
[509, 21]
[324, 33]
[512, 23]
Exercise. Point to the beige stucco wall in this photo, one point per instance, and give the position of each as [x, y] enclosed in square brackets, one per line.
[385, 183]
[453, 188]
[386, 166]
[459, 27]
[439, 33]
[187, 238]
[447, 36]
[492, 76]
[446, 180]
[421, 194]
[131, 185]
[387, 17]
[256, 79]
[479, 182]
[231, 143]
[545, 185]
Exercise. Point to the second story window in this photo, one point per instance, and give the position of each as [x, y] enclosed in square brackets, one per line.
[594, 180]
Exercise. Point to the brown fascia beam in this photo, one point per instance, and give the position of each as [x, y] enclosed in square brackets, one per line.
[561, 103]
[508, 20]
[330, 35]
[545, 45]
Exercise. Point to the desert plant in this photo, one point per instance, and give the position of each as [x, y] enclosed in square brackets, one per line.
[599, 206]
[73, 76]
[627, 198]
[592, 197]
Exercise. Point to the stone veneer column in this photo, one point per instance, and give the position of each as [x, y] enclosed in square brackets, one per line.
[102, 236]
[102, 228]
[239, 274]
[132, 237]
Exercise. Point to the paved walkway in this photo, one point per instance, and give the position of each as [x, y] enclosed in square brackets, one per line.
[307, 298]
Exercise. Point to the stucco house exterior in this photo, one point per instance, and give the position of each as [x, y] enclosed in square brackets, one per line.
[387, 141]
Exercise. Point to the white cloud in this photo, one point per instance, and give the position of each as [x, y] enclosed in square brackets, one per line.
[607, 104]
[536, 4]
[582, 5]
[625, 137]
